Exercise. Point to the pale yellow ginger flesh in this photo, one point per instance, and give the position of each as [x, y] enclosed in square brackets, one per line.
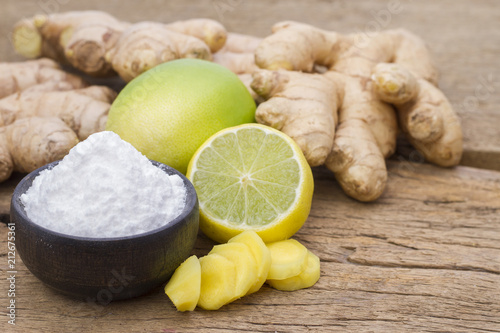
[238, 268]
[305, 279]
[218, 282]
[288, 258]
[183, 288]
[244, 261]
[88, 40]
[260, 253]
[375, 81]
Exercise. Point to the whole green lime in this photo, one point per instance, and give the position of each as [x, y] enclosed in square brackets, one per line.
[169, 111]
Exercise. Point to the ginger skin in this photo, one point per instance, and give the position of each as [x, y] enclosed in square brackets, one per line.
[425, 114]
[299, 99]
[240, 43]
[238, 53]
[83, 110]
[81, 38]
[147, 44]
[367, 125]
[29, 143]
[88, 40]
[18, 76]
[211, 32]
[46, 114]
[342, 140]
[238, 56]
[364, 137]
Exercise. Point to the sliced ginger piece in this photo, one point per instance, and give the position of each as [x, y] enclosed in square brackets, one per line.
[260, 253]
[246, 267]
[307, 278]
[218, 281]
[288, 258]
[183, 289]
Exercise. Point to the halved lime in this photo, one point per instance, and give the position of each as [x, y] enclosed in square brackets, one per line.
[251, 177]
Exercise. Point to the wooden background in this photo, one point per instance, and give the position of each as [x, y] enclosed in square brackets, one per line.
[424, 258]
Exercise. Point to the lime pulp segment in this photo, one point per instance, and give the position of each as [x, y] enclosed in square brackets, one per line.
[247, 170]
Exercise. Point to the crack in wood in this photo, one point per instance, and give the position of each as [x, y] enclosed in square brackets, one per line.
[437, 202]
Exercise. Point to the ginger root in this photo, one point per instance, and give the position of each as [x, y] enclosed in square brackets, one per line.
[47, 114]
[81, 38]
[343, 140]
[147, 44]
[29, 143]
[425, 114]
[211, 32]
[238, 56]
[83, 110]
[90, 41]
[295, 99]
[372, 77]
[18, 76]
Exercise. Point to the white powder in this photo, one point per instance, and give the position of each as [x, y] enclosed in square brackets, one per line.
[104, 187]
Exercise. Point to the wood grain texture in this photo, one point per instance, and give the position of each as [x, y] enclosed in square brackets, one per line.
[424, 258]
[464, 37]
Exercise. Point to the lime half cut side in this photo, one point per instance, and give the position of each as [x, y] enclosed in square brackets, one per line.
[251, 177]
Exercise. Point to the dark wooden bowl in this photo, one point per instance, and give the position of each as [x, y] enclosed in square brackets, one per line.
[104, 269]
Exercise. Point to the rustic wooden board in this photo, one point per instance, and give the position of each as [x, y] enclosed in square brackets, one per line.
[424, 258]
[463, 35]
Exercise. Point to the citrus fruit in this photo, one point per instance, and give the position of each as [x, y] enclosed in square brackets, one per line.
[169, 111]
[251, 177]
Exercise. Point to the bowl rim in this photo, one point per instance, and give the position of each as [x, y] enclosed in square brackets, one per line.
[191, 203]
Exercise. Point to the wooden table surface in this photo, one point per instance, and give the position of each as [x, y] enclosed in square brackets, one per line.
[424, 258]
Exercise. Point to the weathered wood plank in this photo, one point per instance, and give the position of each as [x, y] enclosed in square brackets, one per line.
[463, 36]
[424, 258]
